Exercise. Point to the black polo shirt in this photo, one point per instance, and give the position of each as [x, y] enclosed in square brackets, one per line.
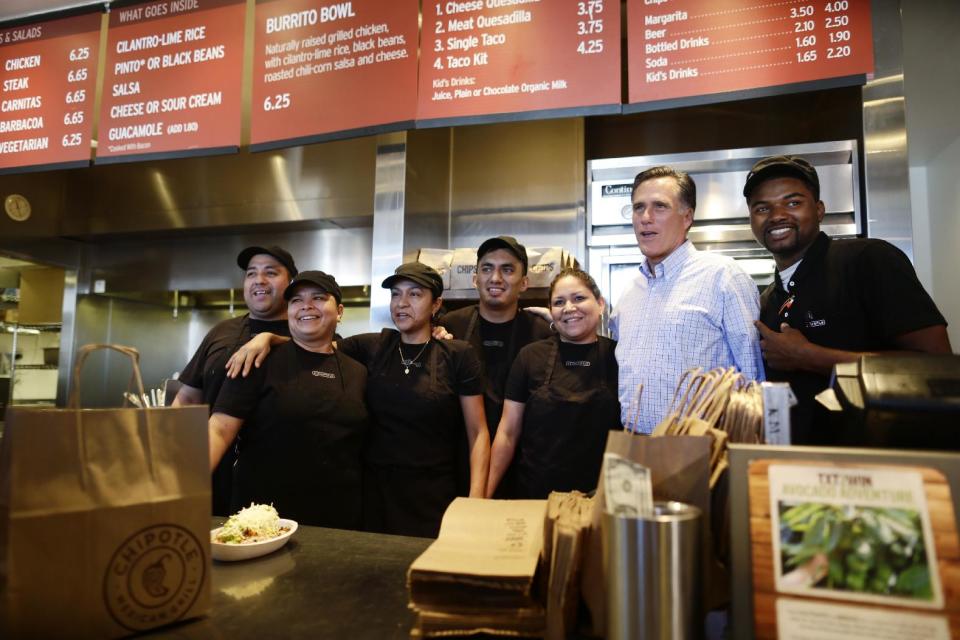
[855, 295]
[206, 371]
[497, 345]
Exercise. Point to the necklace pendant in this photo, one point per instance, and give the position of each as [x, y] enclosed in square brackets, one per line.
[407, 370]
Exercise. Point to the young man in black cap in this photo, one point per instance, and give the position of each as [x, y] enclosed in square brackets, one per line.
[496, 327]
[267, 272]
[832, 300]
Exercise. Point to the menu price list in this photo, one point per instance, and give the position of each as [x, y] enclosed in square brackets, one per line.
[683, 48]
[321, 68]
[172, 79]
[481, 57]
[47, 85]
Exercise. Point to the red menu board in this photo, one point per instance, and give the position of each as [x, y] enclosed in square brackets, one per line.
[683, 48]
[172, 79]
[323, 70]
[485, 57]
[47, 84]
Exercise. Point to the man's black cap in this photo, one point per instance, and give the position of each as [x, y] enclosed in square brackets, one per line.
[324, 281]
[417, 272]
[782, 167]
[504, 242]
[282, 256]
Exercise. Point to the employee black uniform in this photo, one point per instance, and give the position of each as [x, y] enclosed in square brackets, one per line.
[497, 344]
[305, 425]
[410, 479]
[206, 371]
[855, 295]
[571, 403]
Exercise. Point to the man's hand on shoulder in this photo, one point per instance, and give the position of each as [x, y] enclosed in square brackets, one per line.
[441, 333]
[543, 312]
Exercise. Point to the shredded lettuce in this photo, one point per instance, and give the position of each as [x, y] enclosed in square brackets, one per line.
[252, 524]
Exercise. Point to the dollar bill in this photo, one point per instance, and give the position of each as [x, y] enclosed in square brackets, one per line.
[627, 487]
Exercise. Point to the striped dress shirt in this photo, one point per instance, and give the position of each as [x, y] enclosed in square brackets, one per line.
[694, 309]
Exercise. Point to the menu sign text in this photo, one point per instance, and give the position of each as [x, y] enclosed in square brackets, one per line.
[683, 48]
[483, 57]
[172, 78]
[323, 68]
[47, 83]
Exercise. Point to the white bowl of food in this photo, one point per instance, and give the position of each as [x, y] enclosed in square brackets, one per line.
[250, 533]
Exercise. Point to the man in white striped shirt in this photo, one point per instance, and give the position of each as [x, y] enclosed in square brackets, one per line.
[685, 309]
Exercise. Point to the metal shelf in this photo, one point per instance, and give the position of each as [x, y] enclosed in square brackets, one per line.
[533, 293]
[35, 367]
[14, 327]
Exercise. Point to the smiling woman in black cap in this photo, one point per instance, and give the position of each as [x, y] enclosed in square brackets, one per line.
[421, 393]
[299, 421]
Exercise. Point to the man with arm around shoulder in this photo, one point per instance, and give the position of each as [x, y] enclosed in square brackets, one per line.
[267, 272]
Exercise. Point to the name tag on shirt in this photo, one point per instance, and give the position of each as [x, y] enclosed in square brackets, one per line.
[324, 374]
[577, 363]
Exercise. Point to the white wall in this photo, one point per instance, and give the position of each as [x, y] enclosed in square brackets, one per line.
[943, 193]
[931, 67]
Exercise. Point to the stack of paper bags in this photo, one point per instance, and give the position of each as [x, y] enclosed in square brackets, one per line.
[569, 516]
[479, 576]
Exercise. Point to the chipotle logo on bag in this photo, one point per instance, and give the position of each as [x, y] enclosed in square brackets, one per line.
[154, 577]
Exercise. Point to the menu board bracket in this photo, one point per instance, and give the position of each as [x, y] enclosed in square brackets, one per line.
[168, 155]
[747, 94]
[542, 114]
[55, 166]
[359, 132]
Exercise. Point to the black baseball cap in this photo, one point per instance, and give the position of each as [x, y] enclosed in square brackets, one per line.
[319, 279]
[417, 272]
[782, 167]
[504, 242]
[282, 255]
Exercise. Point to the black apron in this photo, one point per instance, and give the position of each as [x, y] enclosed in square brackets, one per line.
[492, 407]
[402, 495]
[222, 477]
[565, 432]
[306, 458]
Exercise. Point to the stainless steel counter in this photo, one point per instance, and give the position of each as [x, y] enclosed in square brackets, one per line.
[325, 583]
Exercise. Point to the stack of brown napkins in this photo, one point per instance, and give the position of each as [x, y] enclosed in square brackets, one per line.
[569, 516]
[480, 574]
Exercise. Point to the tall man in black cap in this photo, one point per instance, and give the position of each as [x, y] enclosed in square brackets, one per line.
[496, 326]
[267, 272]
[831, 300]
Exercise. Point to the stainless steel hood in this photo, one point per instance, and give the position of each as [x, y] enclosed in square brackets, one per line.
[721, 222]
[722, 214]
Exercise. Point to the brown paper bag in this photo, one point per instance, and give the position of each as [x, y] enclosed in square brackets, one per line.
[104, 517]
[680, 470]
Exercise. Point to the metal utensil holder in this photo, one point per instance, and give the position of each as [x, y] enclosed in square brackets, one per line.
[652, 568]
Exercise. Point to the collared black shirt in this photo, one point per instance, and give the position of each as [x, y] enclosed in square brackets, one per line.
[856, 295]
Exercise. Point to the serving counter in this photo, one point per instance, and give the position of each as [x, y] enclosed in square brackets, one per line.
[325, 583]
